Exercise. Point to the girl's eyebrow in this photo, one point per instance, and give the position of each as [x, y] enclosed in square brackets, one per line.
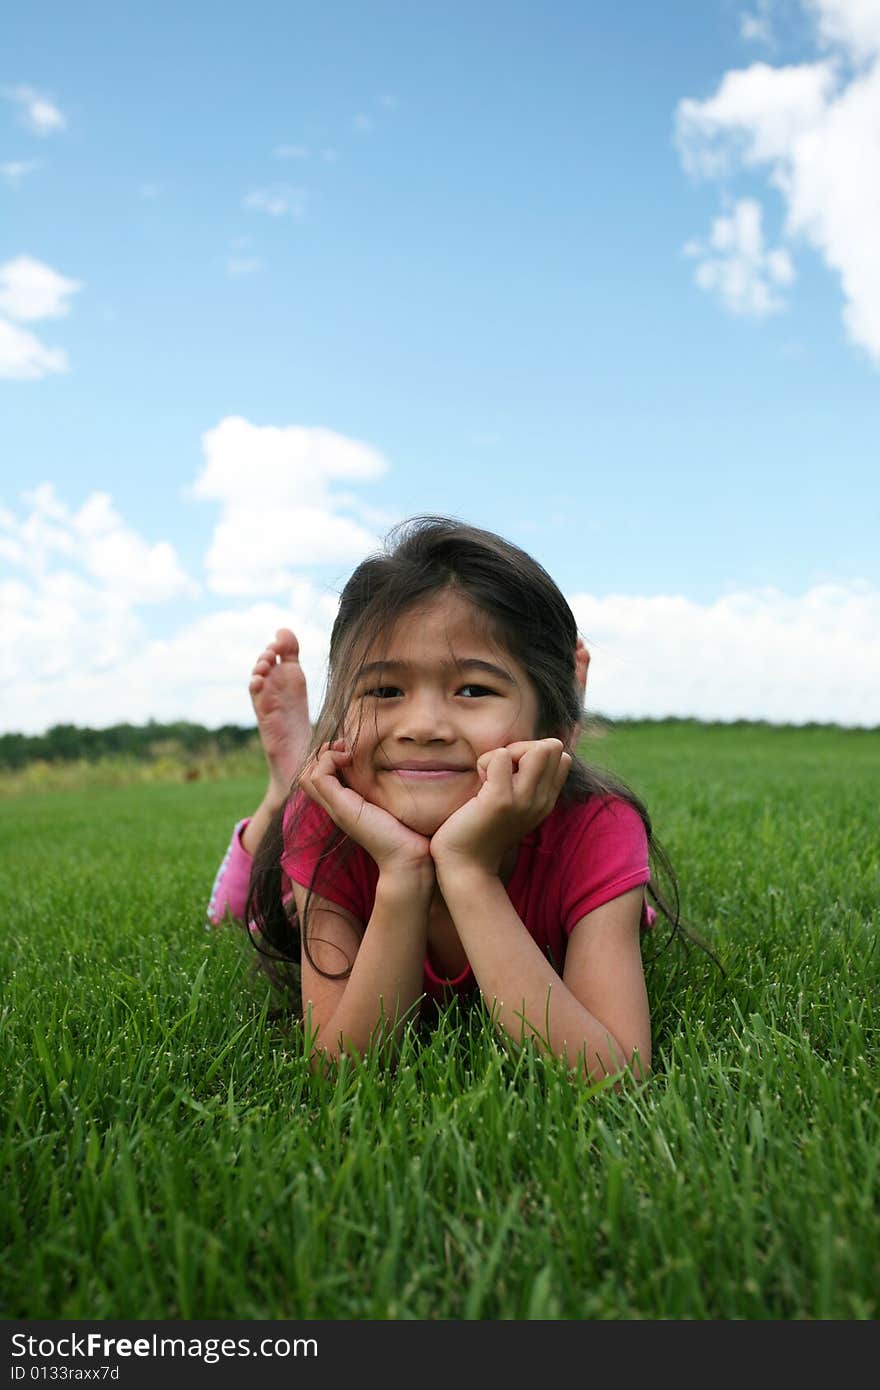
[470, 663]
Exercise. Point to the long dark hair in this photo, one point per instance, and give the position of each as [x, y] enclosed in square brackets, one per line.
[524, 612]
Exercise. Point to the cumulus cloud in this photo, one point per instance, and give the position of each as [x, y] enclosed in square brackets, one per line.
[853, 25]
[73, 643]
[278, 510]
[755, 117]
[93, 546]
[71, 633]
[37, 112]
[738, 267]
[24, 358]
[813, 130]
[74, 646]
[205, 667]
[755, 654]
[31, 290]
[72, 651]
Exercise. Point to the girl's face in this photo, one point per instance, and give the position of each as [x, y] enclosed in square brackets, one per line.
[434, 697]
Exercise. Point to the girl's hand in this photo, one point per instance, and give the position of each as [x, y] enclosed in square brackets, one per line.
[393, 846]
[521, 784]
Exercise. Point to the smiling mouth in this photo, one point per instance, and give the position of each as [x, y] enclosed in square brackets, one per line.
[427, 774]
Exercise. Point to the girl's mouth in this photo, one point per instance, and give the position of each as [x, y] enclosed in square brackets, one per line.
[427, 771]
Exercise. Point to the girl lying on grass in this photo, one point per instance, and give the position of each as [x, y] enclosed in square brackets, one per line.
[437, 833]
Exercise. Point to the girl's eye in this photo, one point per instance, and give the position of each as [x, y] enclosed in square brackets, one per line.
[382, 692]
[476, 690]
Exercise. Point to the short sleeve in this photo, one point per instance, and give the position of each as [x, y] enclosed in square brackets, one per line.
[608, 855]
[344, 874]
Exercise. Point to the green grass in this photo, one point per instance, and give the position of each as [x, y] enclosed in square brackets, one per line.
[165, 1152]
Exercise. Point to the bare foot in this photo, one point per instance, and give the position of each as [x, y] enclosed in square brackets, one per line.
[280, 700]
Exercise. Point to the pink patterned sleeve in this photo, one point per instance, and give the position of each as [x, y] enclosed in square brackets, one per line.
[229, 894]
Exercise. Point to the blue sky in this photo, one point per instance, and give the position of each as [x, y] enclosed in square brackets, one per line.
[602, 279]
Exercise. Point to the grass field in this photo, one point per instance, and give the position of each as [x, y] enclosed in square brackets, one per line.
[165, 1152]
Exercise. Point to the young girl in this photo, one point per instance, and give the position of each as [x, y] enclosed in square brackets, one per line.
[442, 836]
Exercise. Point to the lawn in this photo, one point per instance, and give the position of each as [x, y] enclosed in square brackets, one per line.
[166, 1152]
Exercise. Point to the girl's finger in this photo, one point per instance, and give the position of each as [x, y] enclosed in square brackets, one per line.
[308, 785]
[519, 749]
[537, 767]
[324, 766]
[557, 771]
[561, 774]
[499, 770]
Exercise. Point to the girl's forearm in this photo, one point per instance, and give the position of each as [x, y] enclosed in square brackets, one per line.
[387, 975]
[518, 984]
[259, 821]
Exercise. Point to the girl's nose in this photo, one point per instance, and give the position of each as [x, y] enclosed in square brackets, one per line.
[424, 719]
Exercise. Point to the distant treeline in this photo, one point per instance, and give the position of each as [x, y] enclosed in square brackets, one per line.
[66, 743]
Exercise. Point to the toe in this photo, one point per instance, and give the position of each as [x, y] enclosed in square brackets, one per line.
[286, 644]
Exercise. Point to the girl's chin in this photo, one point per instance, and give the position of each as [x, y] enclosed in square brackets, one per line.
[422, 808]
[422, 824]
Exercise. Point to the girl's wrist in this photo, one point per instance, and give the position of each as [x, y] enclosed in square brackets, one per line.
[416, 879]
[458, 872]
[275, 796]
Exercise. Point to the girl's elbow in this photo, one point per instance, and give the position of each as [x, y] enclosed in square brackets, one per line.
[616, 1064]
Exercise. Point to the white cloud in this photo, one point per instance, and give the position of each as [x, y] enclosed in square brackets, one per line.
[756, 116]
[72, 641]
[750, 655]
[52, 633]
[362, 123]
[278, 201]
[74, 647]
[24, 358]
[115, 554]
[852, 25]
[35, 110]
[813, 130]
[16, 169]
[278, 510]
[94, 546]
[100, 667]
[202, 672]
[738, 267]
[30, 289]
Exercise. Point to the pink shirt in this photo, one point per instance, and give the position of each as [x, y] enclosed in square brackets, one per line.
[580, 857]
